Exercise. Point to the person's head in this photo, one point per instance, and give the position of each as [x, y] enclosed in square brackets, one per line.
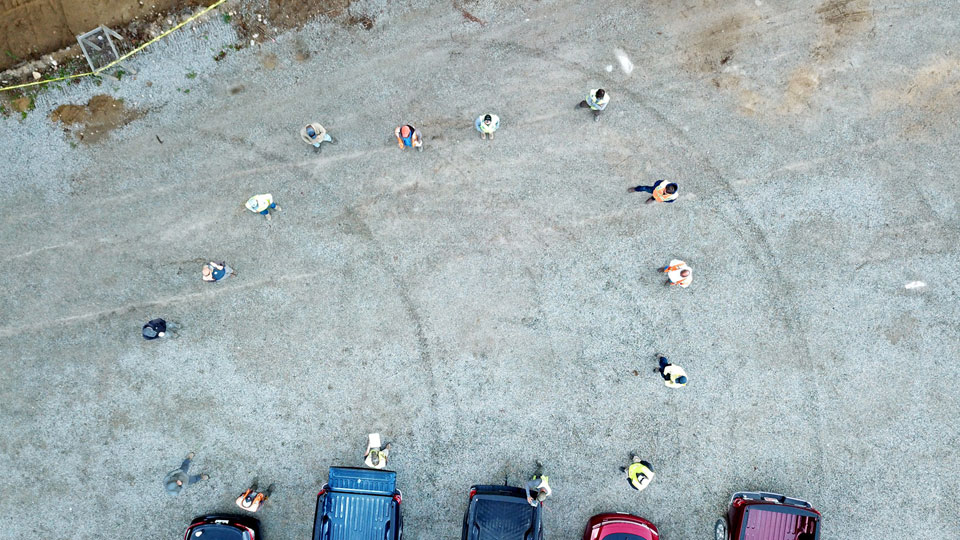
[541, 495]
[600, 93]
[161, 334]
[487, 119]
[682, 379]
[206, 271]
[375, 457]
[685, 273]
[311, 132]
[179, 482]
[405, 131]
[671, 188]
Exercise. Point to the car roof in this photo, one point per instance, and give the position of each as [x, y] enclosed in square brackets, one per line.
[777, 522]
[501, 513]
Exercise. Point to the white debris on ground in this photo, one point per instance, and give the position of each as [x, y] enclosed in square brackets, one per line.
[625, 64]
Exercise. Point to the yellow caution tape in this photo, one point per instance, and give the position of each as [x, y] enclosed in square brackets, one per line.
[122, 58]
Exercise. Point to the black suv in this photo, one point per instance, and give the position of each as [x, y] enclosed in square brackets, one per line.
[501, 513]
[223, 527]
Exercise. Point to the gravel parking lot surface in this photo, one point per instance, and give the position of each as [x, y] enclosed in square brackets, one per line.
[486, 304]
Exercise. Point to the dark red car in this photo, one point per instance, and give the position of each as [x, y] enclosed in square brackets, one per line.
[620, 526]
[768, 516]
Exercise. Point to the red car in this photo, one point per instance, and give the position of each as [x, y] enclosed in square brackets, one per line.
[620, 526]
[768, 516]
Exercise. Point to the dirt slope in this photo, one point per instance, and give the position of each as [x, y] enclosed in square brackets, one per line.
[32, 27]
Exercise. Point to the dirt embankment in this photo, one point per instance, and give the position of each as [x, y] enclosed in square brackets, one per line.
[29, 28]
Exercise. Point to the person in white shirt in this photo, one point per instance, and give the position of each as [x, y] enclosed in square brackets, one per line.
[678, 273]
[376, 457]
[487, 125]
[596, 101]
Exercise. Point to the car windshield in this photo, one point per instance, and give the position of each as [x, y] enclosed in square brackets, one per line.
[218, 532]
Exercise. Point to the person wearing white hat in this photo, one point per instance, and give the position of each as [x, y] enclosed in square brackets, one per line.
[262, 204]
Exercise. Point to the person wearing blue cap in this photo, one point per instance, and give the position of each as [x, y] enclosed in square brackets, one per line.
[673, 376]
[314, 134]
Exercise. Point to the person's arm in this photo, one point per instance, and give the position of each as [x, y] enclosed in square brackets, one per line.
[526, 489]
[399, 140]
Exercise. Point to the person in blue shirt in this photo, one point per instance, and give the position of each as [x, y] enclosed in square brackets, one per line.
[408, 137]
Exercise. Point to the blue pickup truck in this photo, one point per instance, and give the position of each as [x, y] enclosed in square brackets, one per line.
[358, 504]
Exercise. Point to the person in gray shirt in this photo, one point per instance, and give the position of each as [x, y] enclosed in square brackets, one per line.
[177, 479]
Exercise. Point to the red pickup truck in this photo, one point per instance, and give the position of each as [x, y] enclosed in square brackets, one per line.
[768, 516]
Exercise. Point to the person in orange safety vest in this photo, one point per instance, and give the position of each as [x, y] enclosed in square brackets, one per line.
[251, 500]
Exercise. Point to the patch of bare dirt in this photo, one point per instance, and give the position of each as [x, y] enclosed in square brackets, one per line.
[269, 61]
[29, 28]
[93, 121]
[929, 98]
[716, 44]
[262, 19]
[801, 85]
[21, 104]
[842, 22]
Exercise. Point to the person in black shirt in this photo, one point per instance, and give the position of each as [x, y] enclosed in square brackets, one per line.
[158, 328]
